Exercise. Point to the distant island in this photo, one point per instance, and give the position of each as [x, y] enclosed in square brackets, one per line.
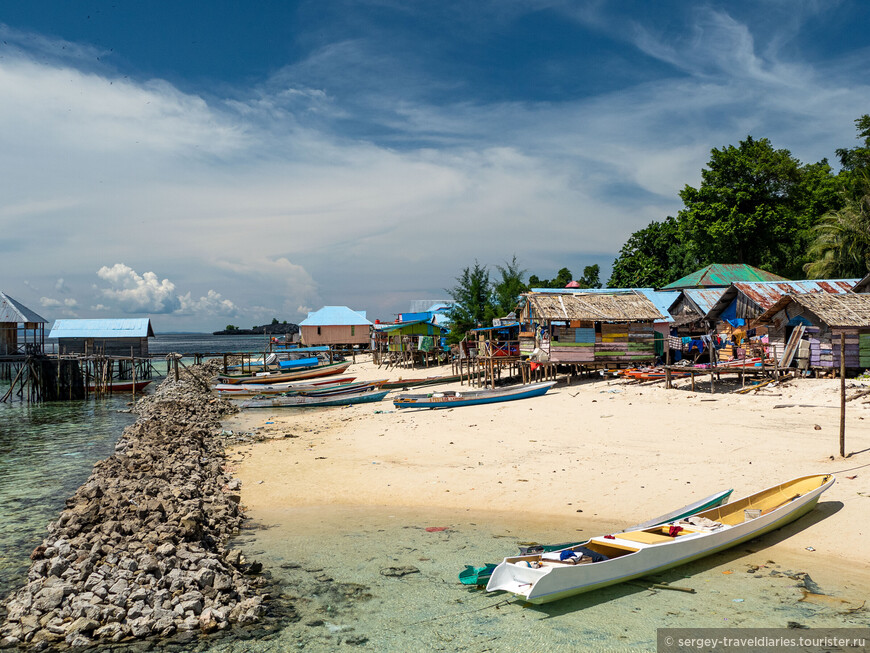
[276, 328]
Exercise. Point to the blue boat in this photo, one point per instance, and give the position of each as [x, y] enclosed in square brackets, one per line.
[299, 363]
[471, 397]
[365, 396]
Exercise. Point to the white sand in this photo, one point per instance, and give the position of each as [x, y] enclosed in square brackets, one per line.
[620, 453]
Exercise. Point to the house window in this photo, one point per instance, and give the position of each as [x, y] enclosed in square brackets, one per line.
[352, 330]
[318, 330]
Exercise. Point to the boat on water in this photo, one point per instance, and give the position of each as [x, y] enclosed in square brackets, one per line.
[120, 386]
[421, 382]
[471, 397]
[251, 389]
[480, 575]
[294, 375]
[610, 559]
[317, 400]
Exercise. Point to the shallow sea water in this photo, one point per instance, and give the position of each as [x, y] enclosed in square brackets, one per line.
[330, 562]
[47, 451]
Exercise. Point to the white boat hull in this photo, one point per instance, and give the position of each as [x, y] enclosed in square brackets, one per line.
[551, 583]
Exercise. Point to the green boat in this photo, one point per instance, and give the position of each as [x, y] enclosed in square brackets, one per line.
[472, 575]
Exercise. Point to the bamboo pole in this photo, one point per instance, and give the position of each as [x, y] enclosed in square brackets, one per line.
[842, 395]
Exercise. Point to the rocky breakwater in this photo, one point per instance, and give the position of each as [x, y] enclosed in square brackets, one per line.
[141, 549]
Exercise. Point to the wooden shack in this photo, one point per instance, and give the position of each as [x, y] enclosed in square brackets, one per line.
[336, 326]
[593, 329]
[22, 331]
[109, 337]
[818, 320]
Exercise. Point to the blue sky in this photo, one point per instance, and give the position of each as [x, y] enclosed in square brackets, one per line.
[225, 162]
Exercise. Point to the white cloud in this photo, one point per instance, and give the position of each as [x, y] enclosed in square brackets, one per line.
[147, 293]
[49, 302]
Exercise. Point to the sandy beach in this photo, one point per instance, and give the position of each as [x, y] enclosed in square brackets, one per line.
[614, 452]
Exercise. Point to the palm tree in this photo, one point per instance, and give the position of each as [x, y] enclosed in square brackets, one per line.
[841, 247]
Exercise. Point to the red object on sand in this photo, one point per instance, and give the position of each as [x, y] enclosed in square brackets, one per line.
[435, 529]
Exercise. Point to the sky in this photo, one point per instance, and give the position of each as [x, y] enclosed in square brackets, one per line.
[205, 164]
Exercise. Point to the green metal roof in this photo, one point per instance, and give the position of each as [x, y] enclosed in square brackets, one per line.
[720, 275]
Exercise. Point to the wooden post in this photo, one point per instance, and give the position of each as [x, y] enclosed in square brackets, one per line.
[133, 364]
[693, 380]
[175, 365]
[668, 376]
[225, 364]
[842, 395]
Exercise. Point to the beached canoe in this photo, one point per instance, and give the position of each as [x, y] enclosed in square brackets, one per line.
[251, 389]
[334, 390]
[299, 363]
[295, 375]
[121, 386]
[317, 401]
[611, 559]
[421, 382]
[471, 397]
[480, 575]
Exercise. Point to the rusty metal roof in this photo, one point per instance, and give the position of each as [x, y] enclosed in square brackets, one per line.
[721, 275]
[765, 294]
[13, 311]
[841, 310]
[701, 299]
[593, 307]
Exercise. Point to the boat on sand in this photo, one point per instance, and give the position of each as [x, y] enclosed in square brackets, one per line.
[295, 375]
[251, 389]
[611, 559]
[480, 575]
[456, 399]
[363, 396]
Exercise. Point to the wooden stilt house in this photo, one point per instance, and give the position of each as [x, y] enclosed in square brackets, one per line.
[336, 326]
[807, 328]
[22, 331]
[110, 337]
[593, 329]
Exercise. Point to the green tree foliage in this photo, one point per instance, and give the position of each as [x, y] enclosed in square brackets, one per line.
[841, 248]
[472, 297]
[755, 205]
[652, 257]
[508, 289]
[231, 327]
[591, 277]
[858, 158]
[562, 279]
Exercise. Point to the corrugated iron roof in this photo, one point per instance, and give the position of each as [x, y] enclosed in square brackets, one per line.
[594, 307]
[703, 299]
[722, 275]
[841, 310]
[335, 316]
[661, 299]
[399, 325]
[766, 293]
[11, 310]
[103, 328]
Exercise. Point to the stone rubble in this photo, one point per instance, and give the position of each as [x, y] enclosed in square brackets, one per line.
[140, 550]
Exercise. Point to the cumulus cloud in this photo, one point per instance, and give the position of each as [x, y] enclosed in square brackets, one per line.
[49, 302]
[147, 293]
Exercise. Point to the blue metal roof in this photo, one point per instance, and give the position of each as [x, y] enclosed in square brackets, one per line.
[661, 299]
[335, 316]
[704, 299]
[108, 328]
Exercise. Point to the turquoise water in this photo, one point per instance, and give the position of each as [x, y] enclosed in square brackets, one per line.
[331, 561]
[46, 452]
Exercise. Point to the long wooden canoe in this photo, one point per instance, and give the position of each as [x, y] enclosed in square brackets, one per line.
[546, 577]
[471, 397]
[315, 401]
[250, 389]
[296, 375]
[421, 382]
[121, 386]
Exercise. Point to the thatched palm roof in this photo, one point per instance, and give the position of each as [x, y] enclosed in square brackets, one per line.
[843, 310]
[594, 307]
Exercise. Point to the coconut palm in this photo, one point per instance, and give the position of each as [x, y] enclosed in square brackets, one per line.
[841, 247]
